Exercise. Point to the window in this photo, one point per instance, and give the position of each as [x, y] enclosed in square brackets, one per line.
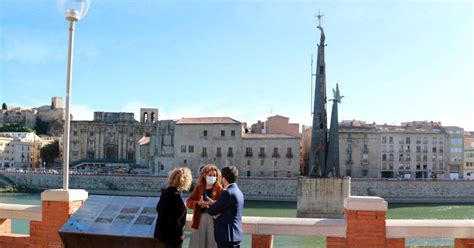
[384, 140]
[434, 149]
[190, 148]
[219, 152]
[425, 140]
[130, 134]
[75, 153]
[204, 152]
[401, 140]
[390, 140]
[407, 140]
[248, 173]
[418, 140]
[130, 156]
[185, 161]
[348, 173]
[289, 152]
[183, 148]
[248, 152]
[275, 173]
[162, 167]
[275, 163]
[275, 153]
[364, 173]
[74, 133]
[365, 158]
[91, 134]
[288, 174]
[204, 133]
[222, 132]
[232, 133]
[435, 140]
[262, 152]
[230, 152]
[262, 161]
[384, 157]
[248, 162]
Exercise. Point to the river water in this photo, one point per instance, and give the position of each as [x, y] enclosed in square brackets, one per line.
[288, 209]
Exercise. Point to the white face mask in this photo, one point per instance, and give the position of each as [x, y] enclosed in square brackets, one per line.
[210, 180]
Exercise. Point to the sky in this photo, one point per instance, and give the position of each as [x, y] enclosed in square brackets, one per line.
[395, 61]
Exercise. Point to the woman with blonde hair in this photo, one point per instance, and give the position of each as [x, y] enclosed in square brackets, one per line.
[171, 209]
[208, 190]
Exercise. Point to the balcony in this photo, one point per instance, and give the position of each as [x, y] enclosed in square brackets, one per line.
[203, 154]
[275, 155]
[262, 155]
[289, 155]
[230, 154]
[248, 154]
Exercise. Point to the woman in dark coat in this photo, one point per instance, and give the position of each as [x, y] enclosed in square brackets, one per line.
[171, 209]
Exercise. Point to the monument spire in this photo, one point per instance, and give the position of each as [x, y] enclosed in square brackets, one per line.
[317, 159]
[333, 147]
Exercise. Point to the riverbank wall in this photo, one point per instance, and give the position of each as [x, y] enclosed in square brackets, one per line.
[265, 189]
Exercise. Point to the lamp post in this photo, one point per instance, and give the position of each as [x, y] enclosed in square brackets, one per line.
[73, 11]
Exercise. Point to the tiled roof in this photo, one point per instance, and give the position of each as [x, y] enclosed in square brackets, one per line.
[207, 120]
[267, 136]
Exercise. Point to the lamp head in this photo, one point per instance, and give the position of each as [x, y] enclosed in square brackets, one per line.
[73, 10]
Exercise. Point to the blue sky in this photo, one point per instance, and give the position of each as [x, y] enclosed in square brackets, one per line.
[395, 61]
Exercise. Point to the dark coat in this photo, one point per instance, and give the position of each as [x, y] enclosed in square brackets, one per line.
[228, 226]
[171, 217]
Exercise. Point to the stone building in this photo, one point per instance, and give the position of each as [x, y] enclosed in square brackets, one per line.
[455, 150]
[53, 113]
[276, 125]
[109, 137]
[199, 141]
[413, 151]
[195, 142]
[418, 149]
[270, 155]
[6, 160]
[468, 157]
[359, 146]
[16, 149]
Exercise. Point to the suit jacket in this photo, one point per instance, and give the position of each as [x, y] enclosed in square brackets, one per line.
[171, 217]
[193, 199]
[228, 226]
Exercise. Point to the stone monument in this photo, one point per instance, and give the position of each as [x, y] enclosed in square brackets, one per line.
[322, 191]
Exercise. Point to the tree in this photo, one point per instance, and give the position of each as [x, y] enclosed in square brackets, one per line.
[49, 153]
[4, 106]
[14, 128]
[41, 127]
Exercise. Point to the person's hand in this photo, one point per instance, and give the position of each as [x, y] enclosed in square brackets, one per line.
[182, 237]
[210, 202]
[201, 202]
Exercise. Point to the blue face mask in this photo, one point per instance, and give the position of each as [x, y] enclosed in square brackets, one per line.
[210, 180]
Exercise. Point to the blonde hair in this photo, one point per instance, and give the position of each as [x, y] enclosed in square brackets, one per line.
[180, 178]
[206, 169]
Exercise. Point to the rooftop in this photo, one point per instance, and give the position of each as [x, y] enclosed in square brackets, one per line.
[206, 121]
[267, 136]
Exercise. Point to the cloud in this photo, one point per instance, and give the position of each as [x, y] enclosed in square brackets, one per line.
[82, 112]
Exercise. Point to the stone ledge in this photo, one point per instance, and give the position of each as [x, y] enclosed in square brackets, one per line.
[289, 226]
[365, 203]
[430, 229]
[22, 212]
[61, 195]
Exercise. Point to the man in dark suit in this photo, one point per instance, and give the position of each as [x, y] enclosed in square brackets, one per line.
[227, 211]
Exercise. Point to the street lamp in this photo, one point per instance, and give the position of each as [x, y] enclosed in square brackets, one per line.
[73, 11]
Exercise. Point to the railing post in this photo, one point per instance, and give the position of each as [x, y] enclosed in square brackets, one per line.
[57, 206]
[463, 243]
[365, 217]
[262, 241]
[5, 226]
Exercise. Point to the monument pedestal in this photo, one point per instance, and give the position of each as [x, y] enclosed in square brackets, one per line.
[322, 197]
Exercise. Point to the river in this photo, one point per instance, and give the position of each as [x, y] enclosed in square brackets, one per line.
[288, 209]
